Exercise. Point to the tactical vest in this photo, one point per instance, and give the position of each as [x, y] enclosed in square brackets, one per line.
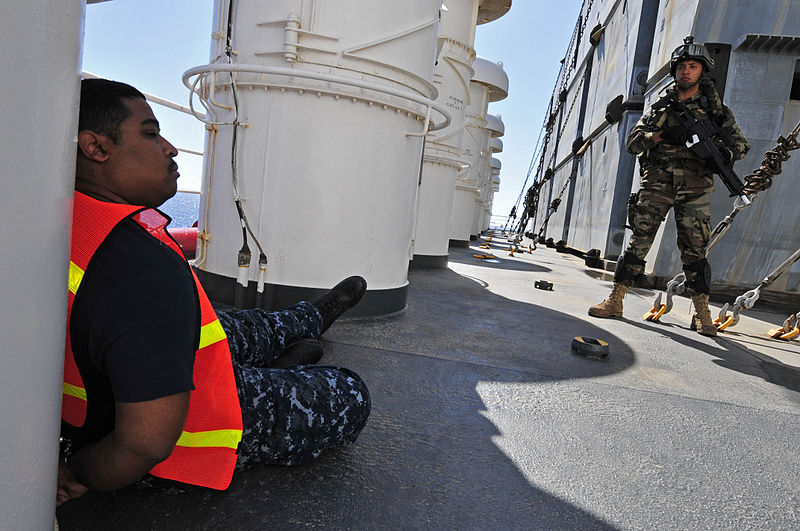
[205, 454]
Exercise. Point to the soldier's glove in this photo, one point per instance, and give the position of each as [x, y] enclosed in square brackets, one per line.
[676, 135]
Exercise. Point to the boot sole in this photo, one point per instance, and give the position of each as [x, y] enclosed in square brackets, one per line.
[604, 315]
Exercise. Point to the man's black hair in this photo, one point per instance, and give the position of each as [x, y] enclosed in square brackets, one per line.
[102, 109]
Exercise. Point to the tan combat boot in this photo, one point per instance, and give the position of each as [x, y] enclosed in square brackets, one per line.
[701, 321]
[612, 306]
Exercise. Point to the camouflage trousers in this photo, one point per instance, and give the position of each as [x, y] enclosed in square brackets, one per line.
[290, 415]
[689, 193]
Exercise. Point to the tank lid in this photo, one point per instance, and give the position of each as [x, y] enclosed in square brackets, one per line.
[489, 10]
[495, 145]
[495, 125]
[495, 164]
[492, 76]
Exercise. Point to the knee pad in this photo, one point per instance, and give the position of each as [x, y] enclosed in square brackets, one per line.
[698, 276]
[629, 268]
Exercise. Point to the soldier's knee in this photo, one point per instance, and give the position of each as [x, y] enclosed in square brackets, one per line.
[629, 270]
[698, 276]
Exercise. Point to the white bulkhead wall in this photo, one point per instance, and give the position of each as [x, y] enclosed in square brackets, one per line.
[325, 170]
[40, 85]
[674, 22]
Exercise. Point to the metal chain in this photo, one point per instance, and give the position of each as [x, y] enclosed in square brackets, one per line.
[577, 34]
[567, 63]
[771, 165]
[557, 201]
[572, 105]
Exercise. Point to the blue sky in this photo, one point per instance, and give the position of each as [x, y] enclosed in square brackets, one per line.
[150, 43]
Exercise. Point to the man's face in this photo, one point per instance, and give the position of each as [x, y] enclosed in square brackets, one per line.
[143, 171]
[687, 73]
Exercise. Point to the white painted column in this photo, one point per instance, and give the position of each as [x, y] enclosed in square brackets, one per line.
[40, 83]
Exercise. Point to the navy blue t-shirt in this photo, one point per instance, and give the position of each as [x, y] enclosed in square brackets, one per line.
[135, 326]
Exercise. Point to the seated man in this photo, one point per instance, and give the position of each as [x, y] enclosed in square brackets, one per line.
[155, 381]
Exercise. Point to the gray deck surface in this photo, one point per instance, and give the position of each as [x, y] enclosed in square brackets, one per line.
[484, 419]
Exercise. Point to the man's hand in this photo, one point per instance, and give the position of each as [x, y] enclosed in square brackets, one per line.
[676, 135]
[68, 486]
[144, 434]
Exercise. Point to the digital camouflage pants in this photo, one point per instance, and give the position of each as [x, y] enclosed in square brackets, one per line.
[290, 415]
[689, 193]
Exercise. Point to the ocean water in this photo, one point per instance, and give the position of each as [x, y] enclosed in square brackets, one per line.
[183, 208]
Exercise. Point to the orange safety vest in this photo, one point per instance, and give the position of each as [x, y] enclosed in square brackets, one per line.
[205, 454]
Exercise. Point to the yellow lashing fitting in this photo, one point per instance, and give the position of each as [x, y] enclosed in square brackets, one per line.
[590, 347]
[775, 333]
[655, 313]
[788, 330]
[792, 334]
[723, 325]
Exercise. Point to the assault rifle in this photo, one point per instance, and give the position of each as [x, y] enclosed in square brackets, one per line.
[700, 142]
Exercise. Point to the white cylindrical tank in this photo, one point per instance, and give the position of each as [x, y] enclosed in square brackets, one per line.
[492, 186]
[496, 128]
[333, 100]
[495, 145]
[40, 87]
[441, 160]
[489, 83]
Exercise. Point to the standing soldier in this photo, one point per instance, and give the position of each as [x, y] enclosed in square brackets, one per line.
[674, 176]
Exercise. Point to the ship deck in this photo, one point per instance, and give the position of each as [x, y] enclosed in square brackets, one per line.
[483, 418]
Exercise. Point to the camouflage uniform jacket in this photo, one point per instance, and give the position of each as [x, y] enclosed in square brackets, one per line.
[680, 160]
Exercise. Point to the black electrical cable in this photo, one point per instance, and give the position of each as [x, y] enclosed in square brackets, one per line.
[244, 255]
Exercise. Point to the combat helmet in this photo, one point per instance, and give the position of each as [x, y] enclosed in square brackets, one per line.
[690, 50]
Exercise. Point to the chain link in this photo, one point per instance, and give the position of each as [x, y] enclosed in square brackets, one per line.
[771, 165]
[569, 62]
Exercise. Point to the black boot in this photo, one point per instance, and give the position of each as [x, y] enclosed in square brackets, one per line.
[303, 352]
[339, 299]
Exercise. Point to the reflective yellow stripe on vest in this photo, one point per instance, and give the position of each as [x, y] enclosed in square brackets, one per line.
[211, 333]
[214, 438]
[73, 390]
[75, 277]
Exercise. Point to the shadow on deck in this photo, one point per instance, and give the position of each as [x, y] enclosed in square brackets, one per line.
[429, 456]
